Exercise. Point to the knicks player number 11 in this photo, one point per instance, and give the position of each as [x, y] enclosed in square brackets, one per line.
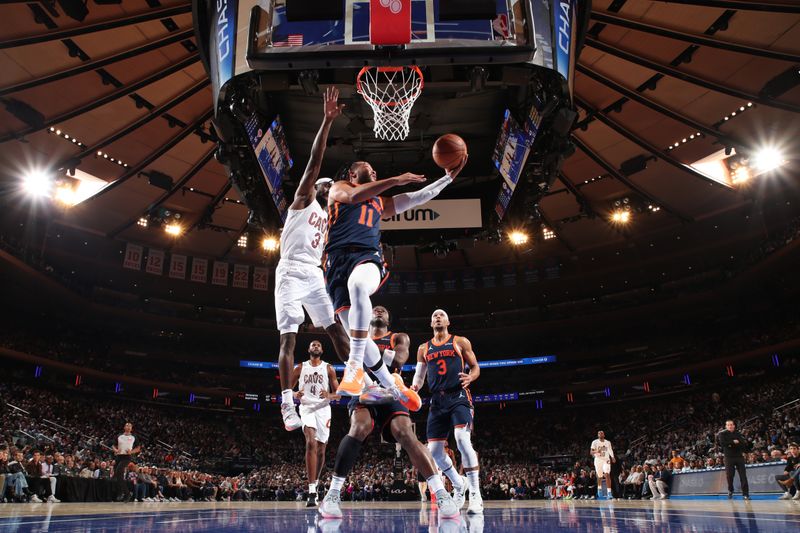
[366, 217]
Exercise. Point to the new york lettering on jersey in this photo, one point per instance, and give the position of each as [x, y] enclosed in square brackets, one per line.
[385, 343]
[444, 364]
[355, 225]
[304, 233]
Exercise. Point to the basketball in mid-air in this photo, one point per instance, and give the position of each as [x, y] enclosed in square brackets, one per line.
[449, 150]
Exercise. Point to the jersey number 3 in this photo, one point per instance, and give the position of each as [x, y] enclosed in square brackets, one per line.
[442, 367]
[315, 241]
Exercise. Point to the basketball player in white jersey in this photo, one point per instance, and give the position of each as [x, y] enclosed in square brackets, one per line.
[299, 282]
[315, 380]
[603, 455]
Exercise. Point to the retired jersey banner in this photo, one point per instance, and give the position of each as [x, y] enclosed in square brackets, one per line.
[133, 257]
[241, 276]
[438, 214]
[199, 269]
[260, 278]
[177, 266]
[219, 276]
[155, 262]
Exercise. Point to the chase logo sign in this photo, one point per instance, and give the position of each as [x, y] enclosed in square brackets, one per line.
[437, 214]
[563, 27]
[223, 39]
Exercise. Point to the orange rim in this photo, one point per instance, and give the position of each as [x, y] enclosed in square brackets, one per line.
[390, 69]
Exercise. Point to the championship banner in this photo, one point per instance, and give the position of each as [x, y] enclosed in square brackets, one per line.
[241, 276]
[219, 276]
[199, 269]
[177, 266]
[260, 278]
[155, 262]
[133, 257]
[438, 214]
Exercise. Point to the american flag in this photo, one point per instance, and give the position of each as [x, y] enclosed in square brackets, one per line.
[295, 39]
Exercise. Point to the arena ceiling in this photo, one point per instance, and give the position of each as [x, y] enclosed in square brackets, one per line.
[123, 93]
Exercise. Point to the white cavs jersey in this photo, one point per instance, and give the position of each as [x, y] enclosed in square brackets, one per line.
[313, 381]
[303, 236]
[602, 449]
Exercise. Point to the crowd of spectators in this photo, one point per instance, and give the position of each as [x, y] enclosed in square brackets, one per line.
[70, 433]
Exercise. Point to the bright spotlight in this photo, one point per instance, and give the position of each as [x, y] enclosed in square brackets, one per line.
[173, 229]
[621, 216]
[142, 222]
[37, 183]
[270, 244]
[65, 195]
[767, 159]
[518, 238]
[242, 242]
[547, 233]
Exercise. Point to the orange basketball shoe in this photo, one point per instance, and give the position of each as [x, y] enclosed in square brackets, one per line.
[352, 383]
[409, 398]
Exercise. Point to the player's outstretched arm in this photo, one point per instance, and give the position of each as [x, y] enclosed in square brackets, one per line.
[399, 203]
[305, 191]
[346, 194]
[422, 368]
[463, 345]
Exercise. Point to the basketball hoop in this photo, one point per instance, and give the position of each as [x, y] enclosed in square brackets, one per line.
[391, 93]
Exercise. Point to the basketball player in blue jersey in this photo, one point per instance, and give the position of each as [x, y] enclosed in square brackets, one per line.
[443, 361]
[391, 420]
[355, 269]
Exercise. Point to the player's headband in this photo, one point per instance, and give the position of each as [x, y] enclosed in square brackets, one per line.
[441, 311]
[321, 181]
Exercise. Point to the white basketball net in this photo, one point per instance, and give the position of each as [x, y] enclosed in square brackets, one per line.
[391, 93]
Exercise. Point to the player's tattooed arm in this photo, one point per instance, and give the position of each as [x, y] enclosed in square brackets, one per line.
[422, 368]
[333, 383]
[463, 345]
[305, 190]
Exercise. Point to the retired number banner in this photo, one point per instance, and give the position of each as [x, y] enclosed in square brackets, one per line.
[133, 257]
[199, 270]
[260, 278]
[155, 262]
[219, 276]
[177, 266]
[241, 276]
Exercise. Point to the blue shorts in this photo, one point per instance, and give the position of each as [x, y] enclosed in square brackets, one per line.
[382, 415]
[338, 266]
[449, 410]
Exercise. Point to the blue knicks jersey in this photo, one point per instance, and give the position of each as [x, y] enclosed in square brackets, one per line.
[355, 225]
[444, 364]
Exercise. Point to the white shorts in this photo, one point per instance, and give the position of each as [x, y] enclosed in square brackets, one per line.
[317, 418]
[298, 286]
[602, 466]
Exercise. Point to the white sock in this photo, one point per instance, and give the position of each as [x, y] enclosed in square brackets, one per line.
[435, 483]
[368, 382]
[337, 483]
[384, 376]
[312, 487]
[454, 477]
[473, 480]
[286, 396]
[357, 347]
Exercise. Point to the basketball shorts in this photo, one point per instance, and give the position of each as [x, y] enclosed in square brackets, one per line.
[317, 418]
[382, 415]
[301, 286]
[449, 410]
[602, 466]
[339, 264]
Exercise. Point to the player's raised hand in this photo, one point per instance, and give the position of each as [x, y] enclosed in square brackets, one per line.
[408, 177]
[298, 395]
[331, 103]
[455, 171]
[466, 379]
[415, 388]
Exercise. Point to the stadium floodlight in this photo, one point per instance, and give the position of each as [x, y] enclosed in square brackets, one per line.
[270, 244]
[173, 229]
[621, 216]
[37, 183]
[518, 238]
[767, 158]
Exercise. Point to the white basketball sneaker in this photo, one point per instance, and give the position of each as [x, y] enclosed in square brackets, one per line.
[459, 496]
[475, 505]
[447, 507]
[291, 420]
[330, 508]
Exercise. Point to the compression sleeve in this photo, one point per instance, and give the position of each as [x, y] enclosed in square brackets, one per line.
[408, 200]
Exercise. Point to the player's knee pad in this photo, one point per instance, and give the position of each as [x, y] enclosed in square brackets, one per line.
[439, 455]
[469, 459]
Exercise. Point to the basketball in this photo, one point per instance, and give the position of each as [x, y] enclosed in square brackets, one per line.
[449, 150]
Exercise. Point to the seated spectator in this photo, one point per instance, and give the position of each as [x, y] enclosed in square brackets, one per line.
[39, 484]
[789, 481]
[88, 470]
[659, 482]
[677, 462]
[16, 480]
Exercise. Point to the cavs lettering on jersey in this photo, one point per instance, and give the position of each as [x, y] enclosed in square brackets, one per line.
[304, 233]
[355, 225]
[444, 364]
[313, 381]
